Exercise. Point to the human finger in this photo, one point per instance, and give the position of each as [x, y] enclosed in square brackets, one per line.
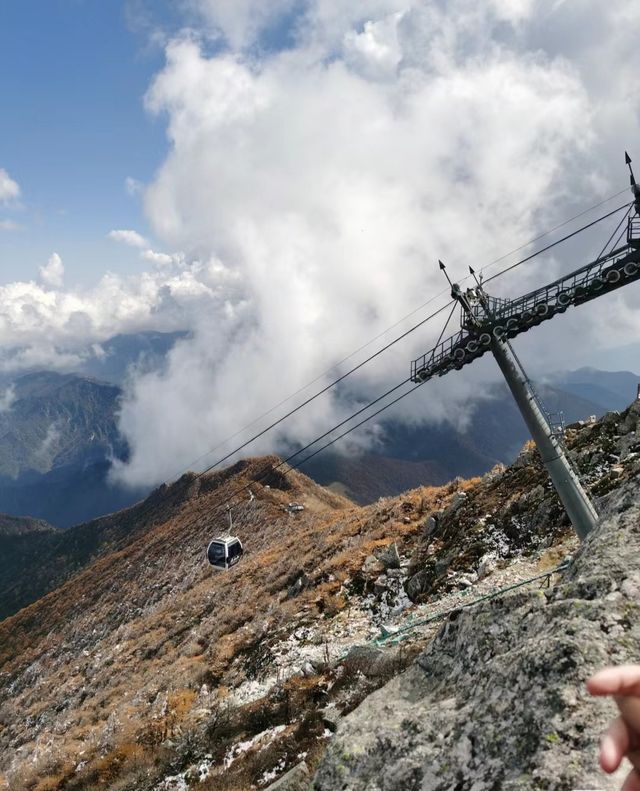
[618, 680]
[630, 709]
[632, 781]
[614, 744]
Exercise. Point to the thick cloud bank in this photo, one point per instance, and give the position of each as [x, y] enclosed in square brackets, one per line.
[43, 325]
[327, 175]
[322, 157]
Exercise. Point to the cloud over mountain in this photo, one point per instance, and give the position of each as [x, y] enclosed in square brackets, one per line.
[42, 325]
[326, 171]
[323, 156]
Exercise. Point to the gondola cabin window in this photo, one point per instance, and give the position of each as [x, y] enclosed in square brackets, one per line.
[224, 552]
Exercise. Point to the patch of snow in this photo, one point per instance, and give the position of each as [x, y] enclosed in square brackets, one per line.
[251, 690]
[173, 783]
[306, 648]
[196, 773]
[270, 775]
[242, 747]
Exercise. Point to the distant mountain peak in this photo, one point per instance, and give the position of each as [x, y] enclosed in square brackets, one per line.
[23, 525]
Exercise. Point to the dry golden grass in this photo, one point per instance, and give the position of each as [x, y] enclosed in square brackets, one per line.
[131, 639]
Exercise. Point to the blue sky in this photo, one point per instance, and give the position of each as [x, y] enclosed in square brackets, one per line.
[74, 74]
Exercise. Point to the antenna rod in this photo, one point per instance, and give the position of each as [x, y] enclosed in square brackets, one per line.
[472, 272]
[628, 161]
[635, 189]
[456, 292]
[443, 269]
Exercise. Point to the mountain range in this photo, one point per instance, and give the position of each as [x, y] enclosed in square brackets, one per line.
[57, 440]
[59, 434]
[435, 454]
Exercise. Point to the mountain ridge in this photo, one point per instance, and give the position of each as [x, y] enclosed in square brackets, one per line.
[61, 554]
[59, 435]
[11, 526]
[495, 435]
[57, 439]
[146, 670]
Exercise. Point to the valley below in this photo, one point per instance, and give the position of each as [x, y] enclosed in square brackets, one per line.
[60, 436]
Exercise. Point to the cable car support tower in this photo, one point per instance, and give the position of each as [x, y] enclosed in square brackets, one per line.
[488, 323]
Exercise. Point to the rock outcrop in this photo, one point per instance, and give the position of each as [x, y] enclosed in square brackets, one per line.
[498, 699]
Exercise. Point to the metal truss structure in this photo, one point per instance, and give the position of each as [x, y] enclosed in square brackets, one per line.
[507, 318]
[488, 323]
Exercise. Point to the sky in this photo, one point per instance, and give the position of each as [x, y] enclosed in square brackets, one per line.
[73, 130]
[279, 179]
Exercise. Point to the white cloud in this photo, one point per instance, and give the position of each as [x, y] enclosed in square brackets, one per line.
[375, 52]
[53, 272]
[516, 10]
[131, 238]
[133, 186]
[134, 239]
[240, 22]
[331, 176]
[98, 351]
[46, 451]
[9, 225]
[47, 327]
[9, 189]
[7, 398]
[313, 189]
[162, 259]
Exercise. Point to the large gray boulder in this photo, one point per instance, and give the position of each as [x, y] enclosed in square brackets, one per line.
[498, 699]
[389, 557]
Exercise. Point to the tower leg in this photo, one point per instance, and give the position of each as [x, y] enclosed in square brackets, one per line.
[579, 507]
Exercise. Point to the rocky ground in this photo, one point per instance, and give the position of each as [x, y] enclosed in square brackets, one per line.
[498, 700]
[145, 672]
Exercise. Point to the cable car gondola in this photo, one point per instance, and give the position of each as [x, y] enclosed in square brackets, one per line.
[225, 551]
